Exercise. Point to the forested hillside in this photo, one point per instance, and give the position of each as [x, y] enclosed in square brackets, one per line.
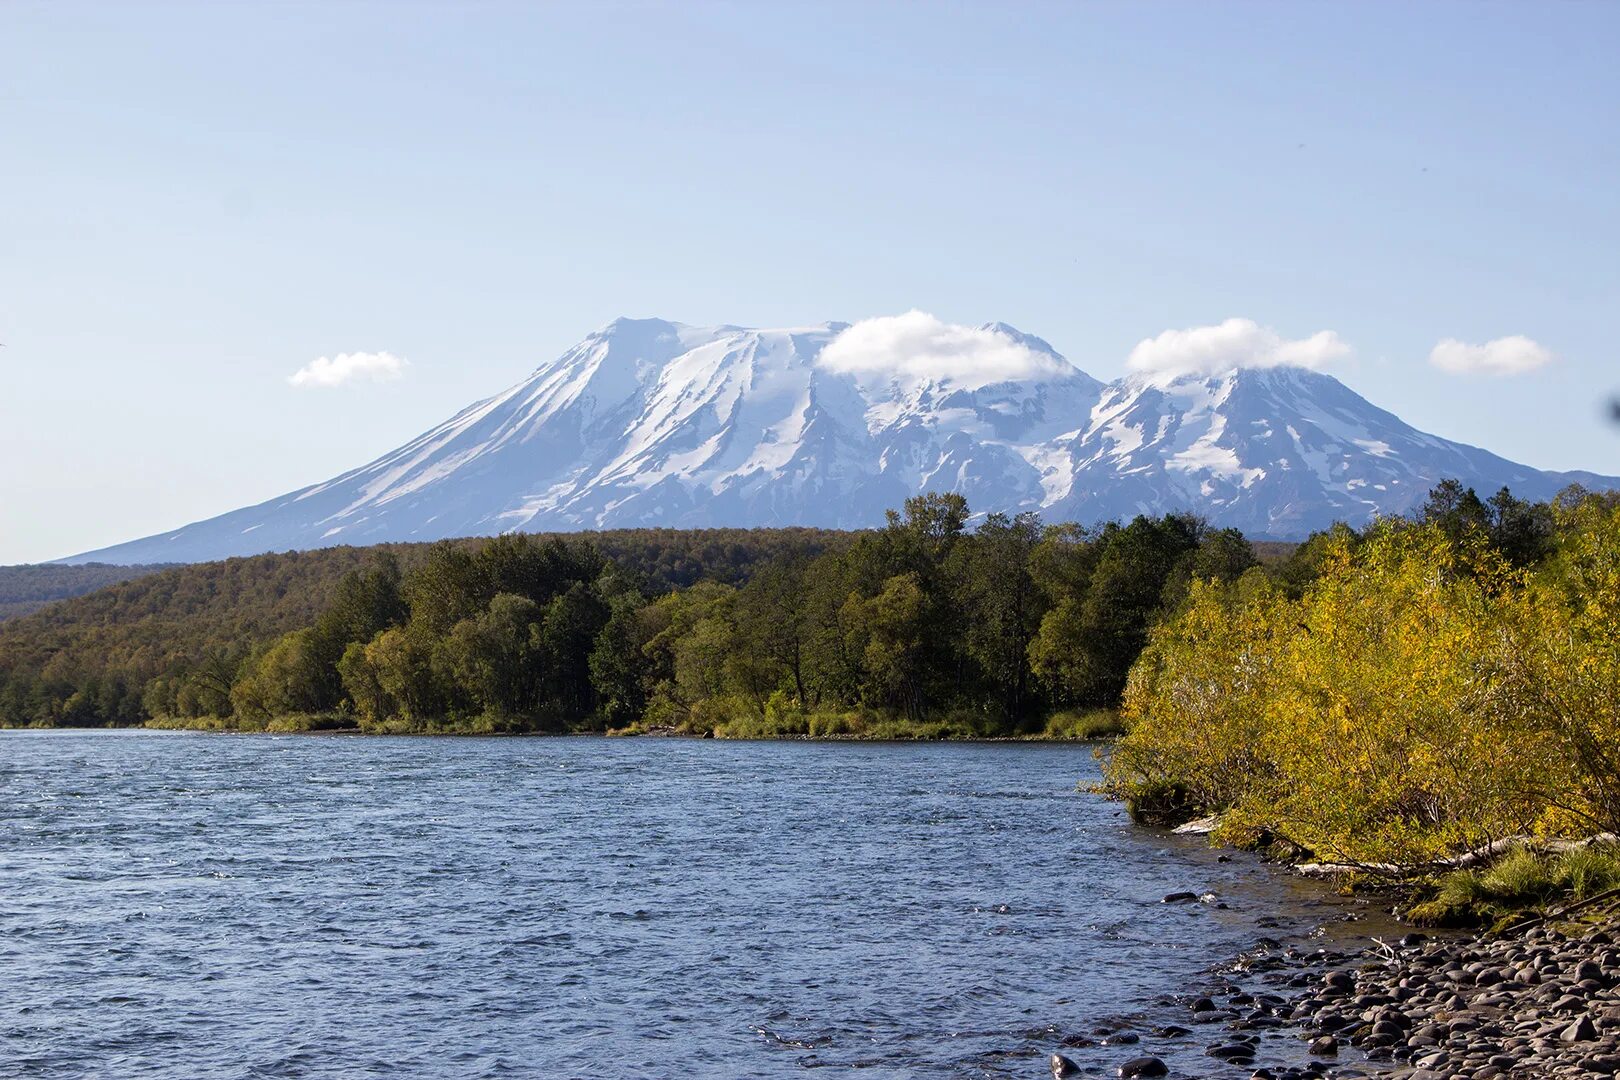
[27, 588]
[90, 658]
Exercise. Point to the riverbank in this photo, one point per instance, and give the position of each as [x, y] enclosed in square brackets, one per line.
[1545, 1003]
[1542, 1004]
[1084, 726]
[1533, 990]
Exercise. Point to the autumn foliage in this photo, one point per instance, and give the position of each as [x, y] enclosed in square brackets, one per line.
[1437, 685]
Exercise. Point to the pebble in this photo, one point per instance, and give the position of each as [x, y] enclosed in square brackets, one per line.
[1540, 1005]
[1325, 1046]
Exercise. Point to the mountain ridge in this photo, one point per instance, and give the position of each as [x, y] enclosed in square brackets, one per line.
[648, 422]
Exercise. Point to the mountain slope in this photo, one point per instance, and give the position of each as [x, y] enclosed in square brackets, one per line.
[648, 422]
[1276, 452]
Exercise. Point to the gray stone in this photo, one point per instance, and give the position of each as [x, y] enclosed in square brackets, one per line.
[1231, 1051]
[1581, 1030]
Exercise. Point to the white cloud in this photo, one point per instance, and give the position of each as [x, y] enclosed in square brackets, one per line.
[916, 345]
[347, 368]
[1235, 343]
[1504, 356]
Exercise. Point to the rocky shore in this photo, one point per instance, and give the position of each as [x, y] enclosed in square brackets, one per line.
[1544, 1004]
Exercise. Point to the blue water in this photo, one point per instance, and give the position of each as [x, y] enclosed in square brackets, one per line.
[182, 905]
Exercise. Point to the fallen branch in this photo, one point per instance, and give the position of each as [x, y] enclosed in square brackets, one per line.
[1565, 911]
[1484, 854]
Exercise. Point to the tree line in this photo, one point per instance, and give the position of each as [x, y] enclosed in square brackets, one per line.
[922, 626]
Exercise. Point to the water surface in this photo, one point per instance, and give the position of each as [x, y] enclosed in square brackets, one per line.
[184, 905]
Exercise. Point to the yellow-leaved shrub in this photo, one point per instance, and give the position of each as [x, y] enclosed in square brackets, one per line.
[1419, 699]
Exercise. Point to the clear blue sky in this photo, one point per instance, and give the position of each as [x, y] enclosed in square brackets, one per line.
[197, 200]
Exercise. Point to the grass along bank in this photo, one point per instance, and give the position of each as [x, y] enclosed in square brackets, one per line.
[1523, 886]
[793, 724]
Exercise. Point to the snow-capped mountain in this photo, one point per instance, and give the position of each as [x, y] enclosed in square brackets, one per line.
[647, 422]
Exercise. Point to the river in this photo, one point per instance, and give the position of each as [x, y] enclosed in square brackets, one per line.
[189, 905]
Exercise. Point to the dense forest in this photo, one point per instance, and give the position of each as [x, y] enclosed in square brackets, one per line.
[921, 627]
[25, 589]
[1418, 689]
[89, 660]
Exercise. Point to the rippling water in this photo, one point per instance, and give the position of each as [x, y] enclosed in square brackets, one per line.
[185, 905]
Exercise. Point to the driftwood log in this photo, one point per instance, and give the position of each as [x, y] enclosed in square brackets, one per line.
[1483, 855]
